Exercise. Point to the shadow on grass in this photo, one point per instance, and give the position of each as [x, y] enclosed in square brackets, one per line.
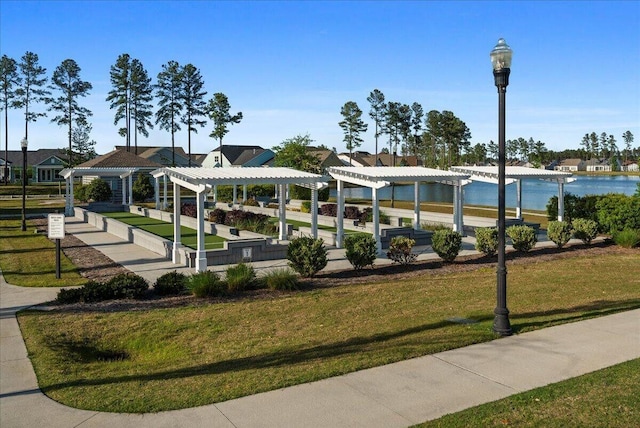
[86, 352]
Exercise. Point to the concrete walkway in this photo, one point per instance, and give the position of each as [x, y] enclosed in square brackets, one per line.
[395, 395]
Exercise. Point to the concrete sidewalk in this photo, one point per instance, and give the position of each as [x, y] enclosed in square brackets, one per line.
[395, 395]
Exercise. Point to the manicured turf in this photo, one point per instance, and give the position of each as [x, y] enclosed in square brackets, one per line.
[152, 360]
[161, 228]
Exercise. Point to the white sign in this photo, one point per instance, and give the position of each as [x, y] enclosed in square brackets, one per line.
[247, 253]
[56, 226]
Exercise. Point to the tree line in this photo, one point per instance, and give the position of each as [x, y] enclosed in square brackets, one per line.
[178, 92]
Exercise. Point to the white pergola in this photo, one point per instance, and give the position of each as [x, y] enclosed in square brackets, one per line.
[378, 177]
[515, 174]
[125, 173]
[202, 180]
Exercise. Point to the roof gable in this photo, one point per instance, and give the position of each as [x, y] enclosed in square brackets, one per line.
[119, 158]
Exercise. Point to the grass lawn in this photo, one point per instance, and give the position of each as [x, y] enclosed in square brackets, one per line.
[606, 398]
[17, 246]
[161, 228]
[33, 206]
[297, 223]
[160, 359]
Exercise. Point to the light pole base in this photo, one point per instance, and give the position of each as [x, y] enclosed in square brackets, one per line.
[501, 324]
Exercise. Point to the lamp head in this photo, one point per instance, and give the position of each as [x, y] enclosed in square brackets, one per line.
[24, 143]
[501, 56]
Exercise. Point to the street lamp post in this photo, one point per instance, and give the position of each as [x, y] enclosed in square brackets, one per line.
[501, 61]
[24, 144]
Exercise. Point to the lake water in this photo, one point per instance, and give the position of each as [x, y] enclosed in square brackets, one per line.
[535, 193]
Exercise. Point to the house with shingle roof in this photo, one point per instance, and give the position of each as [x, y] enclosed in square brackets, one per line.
[163, 155]
[44, 164]
[571, 165]
[238, 156]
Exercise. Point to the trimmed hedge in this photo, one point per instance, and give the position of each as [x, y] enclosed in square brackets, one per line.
[523, 237]
[447, 244]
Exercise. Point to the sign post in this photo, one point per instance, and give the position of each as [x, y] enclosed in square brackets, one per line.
[56, 231]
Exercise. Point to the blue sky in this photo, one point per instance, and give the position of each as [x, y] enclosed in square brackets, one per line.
[290, 66]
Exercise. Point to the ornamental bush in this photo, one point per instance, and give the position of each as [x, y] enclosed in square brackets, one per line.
[171, 283]
[80, 193]
[307, 255]
[190, 210]
[361, 250]
[584, 229]
[122, 286]
[206, 284]
[128, 286]
[305, 207]
[487, 240]
[559, 232]
[142, 188]
[281, 279]
[217, 216]
[574, 207]
[400, 250]
[523, 237]
[447, 244]
[627, 238]
[99, 190]
[330, 210]
[617, 212]
[240, 277]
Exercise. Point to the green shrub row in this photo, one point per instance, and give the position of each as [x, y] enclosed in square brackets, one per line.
[122, 286]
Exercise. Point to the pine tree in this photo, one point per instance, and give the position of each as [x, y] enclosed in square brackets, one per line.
[193, 101]
[377, 112]
[120, 95]
[32, 89]
[83, 148]
[141, 95]
[169, 94]
[66, 79]
[352, 126]
[9, 81]
[218, 111]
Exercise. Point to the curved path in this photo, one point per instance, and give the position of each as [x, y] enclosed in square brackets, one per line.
[395, 395]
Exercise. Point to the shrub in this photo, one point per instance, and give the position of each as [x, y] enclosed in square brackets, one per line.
[99, 190]
[190, 210]
[351, 212]
[206, 284]
[447, 244]
[487, 240]
[142, 188]
[217, 216]
[171, 283]
[70, 295]
[523, 237]
[261, 189]
[80, 193]
[240, 277]
[617, 212]
[250, 202]
[128, 286]
[559, 232]
[584, 229]
[281, 279]
[627, 238]
[574, 207]
[330, 210]
[400, 250]
[307, 256]
[305, 207]
[367, 216]
[361, 250]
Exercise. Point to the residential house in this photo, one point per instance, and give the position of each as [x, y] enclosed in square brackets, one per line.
[630, 166]
[387, 159]
[327, 157]
[597, 165]
[357, 158]
[571, 165]
[119, 158]
[162, 155]
[238, 156]
[45, 164]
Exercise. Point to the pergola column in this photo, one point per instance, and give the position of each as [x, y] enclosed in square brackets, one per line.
[164, 204]
[244, 193]
[176, 223]
[201, 254]
[458, 208]
[215, 194]
[340, 214]
[124, 191]
[130, 189]
[560, 200]
[282, 209]
[376, 219]
[156, 188]
[519, 199]
[416, 205]
[314, 213]
[235, 194]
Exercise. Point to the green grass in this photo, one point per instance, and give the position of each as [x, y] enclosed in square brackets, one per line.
[297, 223]
[28, 259]
[189, 237]
[13, 207]
[606, 398]
[189, 356]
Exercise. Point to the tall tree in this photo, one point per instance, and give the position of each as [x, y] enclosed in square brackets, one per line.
[377, 112]
[169, 93]
[492, 150]
[120, 96]
[193, 101]
[294, 153]
[9, 80]
[586, 143]
[392, 123]
[404, 126]
[433, 137]
[352, 125]
[218, 111]
[417, 113]
[66, 79]
[82, 146]
[627, 137]
[32, 89]
[141, 95]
